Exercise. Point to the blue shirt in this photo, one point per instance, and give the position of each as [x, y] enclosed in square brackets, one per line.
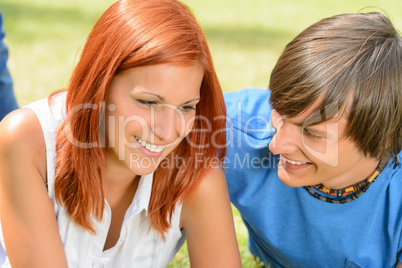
[287, 226]
[7, 98]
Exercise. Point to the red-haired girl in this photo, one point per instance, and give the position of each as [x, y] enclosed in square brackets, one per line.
[123, 167]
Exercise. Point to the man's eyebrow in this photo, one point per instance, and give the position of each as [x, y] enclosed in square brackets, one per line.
[315, 130]
[309, 123]
[315, 118]
[309, 126]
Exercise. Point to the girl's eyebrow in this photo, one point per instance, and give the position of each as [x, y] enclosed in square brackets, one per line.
[196, 99]
[153, 94]
[163, 99]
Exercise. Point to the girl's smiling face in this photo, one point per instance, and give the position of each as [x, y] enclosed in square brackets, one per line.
[149, 111]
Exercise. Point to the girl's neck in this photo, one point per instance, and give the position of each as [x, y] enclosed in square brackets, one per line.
[117, 174]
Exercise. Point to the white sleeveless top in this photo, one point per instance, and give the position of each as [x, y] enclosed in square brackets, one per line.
[136, 246]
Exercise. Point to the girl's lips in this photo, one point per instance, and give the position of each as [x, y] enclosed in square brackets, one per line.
[150, 147]
[148, 153]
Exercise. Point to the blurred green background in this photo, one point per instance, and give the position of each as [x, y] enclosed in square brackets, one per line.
[246, 37]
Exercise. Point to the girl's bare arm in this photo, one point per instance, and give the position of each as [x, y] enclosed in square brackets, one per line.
[208, 222]
[27, 214]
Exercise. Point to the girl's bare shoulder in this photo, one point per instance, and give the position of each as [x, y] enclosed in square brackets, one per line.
[21, 140]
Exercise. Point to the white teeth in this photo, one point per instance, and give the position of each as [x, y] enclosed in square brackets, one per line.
[294, 162]
[150, 147]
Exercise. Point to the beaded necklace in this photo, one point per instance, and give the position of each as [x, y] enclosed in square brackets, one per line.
[351, 192]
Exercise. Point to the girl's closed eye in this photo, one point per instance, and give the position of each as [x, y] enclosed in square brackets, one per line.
[148, 103]
[187, 108]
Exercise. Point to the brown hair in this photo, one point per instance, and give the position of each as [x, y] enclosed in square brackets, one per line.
[349, 55]
[133, 33]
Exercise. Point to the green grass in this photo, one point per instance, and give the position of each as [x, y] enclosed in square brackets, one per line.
[245, 36]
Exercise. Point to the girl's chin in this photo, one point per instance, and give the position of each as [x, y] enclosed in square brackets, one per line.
[143, 167]
[143, 171]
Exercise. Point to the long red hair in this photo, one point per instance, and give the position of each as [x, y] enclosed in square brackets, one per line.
[134, 33]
